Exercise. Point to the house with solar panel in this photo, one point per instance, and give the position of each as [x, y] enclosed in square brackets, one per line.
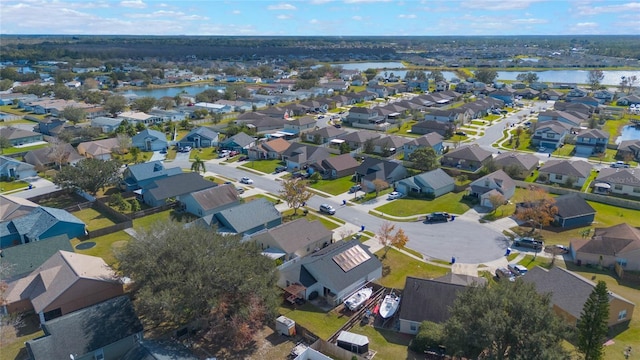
[334, 272]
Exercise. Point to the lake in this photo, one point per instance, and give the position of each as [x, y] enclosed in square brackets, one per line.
[629, 132]
[371, 65]
[611, 77]
[170, 91]
[448, 75]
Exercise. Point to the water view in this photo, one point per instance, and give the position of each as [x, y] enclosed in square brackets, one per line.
[371, 65]
[611, 77]
[448, 75]
[170, 91]
[629, 132]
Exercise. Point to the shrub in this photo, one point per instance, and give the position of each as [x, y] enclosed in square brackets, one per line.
[430, 336]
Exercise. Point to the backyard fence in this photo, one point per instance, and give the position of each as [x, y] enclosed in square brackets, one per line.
[157, 209]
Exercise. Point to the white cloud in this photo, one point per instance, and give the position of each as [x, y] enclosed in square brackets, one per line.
[407, 16]
[314, 21]
[138, 4]
[236, 12]
[364, 1]
[356, 18]
[587, 25]
[498, 5]
[633, 7]
[529, 21]
[282, 6]
[284, 17]
[320, 2]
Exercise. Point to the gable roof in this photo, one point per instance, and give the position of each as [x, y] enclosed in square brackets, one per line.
[176, 185]
[42, 156]
[327, 132]
[578, 168]
[202, 131]
[305, 120]
[86, 330]
[459, 279]
[373, 168]
[522, 160]
[499, 179]
[612, 241]
[569, 291]
[25, 258]
[99, 147]
[553, 125]
[622, 176]
[629, 145]
[13, 133]
[424, 299]
[341, 162]
[431, 139]
[39, 220]
[51, 279]
[435, 179]
[215, 197]
[573, 205]
[149, 133]
[301, 153]
[261, 211]
[278, 145]
[240, 138]
[323, 267]
[294, 235]
[593, 134]
[12, 207]
[391, 141]
[469, 153]
[359, 137]
[150, 170]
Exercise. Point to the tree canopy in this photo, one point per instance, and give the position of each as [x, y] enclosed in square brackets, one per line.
[486, 76]
[539, 208]
[594, 78]
[185, 274]
[295, 193]
[74, 114]
[144, 103]
[115, 104]
[529, 77]
[508, 320]
[592, 325]
[424, 158]
[90, 175]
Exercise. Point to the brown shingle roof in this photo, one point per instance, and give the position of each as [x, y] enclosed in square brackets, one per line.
[216, 197]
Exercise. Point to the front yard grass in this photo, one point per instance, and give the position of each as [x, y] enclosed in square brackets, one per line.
[451, 203]
[204, 154]
[396, 266]
[24, 149]
[322, 324]
[531, 261]
[265, 166]
[105, 246]
[12, 185]
[335, 186]
[310, 216]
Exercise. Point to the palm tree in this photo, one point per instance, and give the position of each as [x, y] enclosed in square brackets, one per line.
[198, 165]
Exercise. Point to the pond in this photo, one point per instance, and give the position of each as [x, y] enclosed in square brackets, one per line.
[171, 91]
[448, 75]
[611, 77]
[371, 65]
[629, 132]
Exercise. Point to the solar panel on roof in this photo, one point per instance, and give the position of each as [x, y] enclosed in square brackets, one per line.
[351, 258]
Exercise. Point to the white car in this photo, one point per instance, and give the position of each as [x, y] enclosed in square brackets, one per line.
[246, 180]
[394, 195]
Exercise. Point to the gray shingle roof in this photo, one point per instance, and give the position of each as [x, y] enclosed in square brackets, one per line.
[202, 131]
[215, 197]
[151, 169]
[86, 330]
[40, 157]
[247, 216]
[341, 162]
[25, 258]
[424, 299]
[578, 168]
[295, 235]
[176, 185]
[572, 205]
[41, 219]
[521, 160]
[629, 177]
[469, 152]
[241, 139]
[615, 240]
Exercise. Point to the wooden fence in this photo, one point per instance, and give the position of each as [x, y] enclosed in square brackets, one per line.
[154, 210]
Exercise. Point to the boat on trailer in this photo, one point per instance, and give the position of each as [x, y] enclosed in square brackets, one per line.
[389, 305]
[355, 301]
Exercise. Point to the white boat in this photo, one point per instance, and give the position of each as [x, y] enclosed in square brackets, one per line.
[389, 305]
[356, 300]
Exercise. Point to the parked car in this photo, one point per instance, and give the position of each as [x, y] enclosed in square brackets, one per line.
[619, 164]
[394, 195]
[461, 133]
[239, 189]
[280, 168]
[243, 158]
[529, 242]
[517, 269]
[337, 126]
[246, 180]
[437, 217]
[327, 209]
[557, 249]
[355, 188]
[504, 273]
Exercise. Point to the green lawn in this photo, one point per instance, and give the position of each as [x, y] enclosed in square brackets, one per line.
[12, 185]
[265, 166]
[12, 340]
[147, 221]
[322, 324]
[13, 150]
[451, 202]
[105, 246]
[396, 266]
[614, 128]
[387, 344]
[205, 154]
[62, 201]
[334, 187]
[529, 261]
[331, 225]
[94, 219]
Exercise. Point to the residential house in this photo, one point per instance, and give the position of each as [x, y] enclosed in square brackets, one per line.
[43, 157]
[629, 100]
[11, 168]
[464, 87]
[297, 156]
[240, 142]
[432, 183]
[363, 115]
[324, 135]
[569, 292]
[19, 137]
[200, 137]
[496, 183]
[140, 175]
[106, 124]
[336, 166]
[468, 157]
[527, 93]
[210, 201]
[573, 211]
[562, 116]
[379, 90]
[99, 149]
[442, 86]
[432, 140]
[293, 239]
[266, 123]
[429, 126]
[447, 116]
[551, 95]
[20, 261]
[431, 299]
[106, 331]
[550, 134]
[235, 220]
[587, 100]
[357, 139]
[517, 165]
[620, 181]
[629, 148]
[168, 115]
[150, 140]
[564, 171]
[272, 149]
[65, 283]
[372, 169]
[604, 96]
[12, 207]
[577, 92]
[39, 224]
[52, 126]
[159, 191]
[334, 272]
[504, 95]
[591, 141]
[618, 244]
[300, 125]
[135, 117]
[388, 145]
[539, 86]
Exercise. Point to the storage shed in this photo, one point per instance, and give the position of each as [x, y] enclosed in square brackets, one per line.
[285, 326]
[353, 342]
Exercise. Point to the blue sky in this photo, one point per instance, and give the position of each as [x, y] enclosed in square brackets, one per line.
[320, 17]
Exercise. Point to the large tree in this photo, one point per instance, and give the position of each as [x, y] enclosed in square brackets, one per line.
[114, 104]
[144, 103]
[90, 175]
[181, 275]
[295, 193]
[539, 208]
[4, 144]
[592, 325]
[594, 78]
[529, 77]
[60, 152]
[424, 158]
[508, 320]
[74, 114]
[198, 165]
[485, 75]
